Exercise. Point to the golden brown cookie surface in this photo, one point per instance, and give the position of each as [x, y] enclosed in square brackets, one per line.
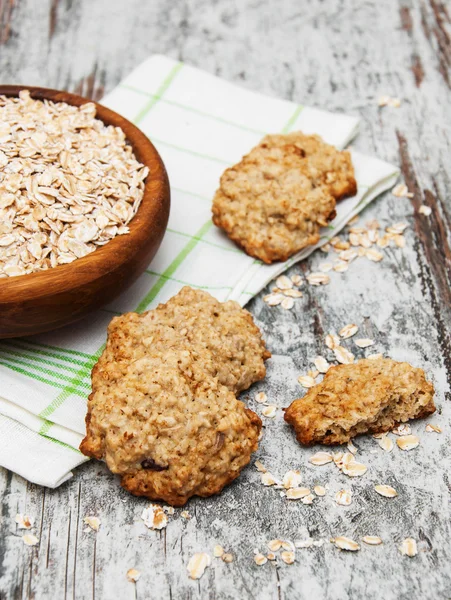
[163, 411]
[275, 200]
[369, 396]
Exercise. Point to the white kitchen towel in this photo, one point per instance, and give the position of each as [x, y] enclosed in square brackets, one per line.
[200, 125]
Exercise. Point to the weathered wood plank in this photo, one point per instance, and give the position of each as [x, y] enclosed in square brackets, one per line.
[341, 56]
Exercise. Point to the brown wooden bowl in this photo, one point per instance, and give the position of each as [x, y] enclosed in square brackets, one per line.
[50, 299]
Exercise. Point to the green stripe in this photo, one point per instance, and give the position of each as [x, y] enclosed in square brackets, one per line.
[10, 354]
[156, 97]
[48, 372]
[75, 383]
[192, 152]
[200, 287]
[21, 346]
[39, 378]
[66, 350]
[191, 194]
[205, 241]
[55, 441]
[172, 267]
[161, 90]
[292, 119]
[45, 427]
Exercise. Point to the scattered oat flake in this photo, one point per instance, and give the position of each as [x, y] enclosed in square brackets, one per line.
[292, 479]
[321, 364]
[197, 564]
[30, 540]
[372, 540]
[343, 497]
[425, 210]
[402, 429]
[269, 411]
[169, 510]
[284, 283]
[348, 331]
[375, 356]
[92, 522]
[287, 303]
[24, 521]
[271, 556]
[364, 342]
[288, 557]
[261, 397]
[374, 255]
[354, 469]
[268, 479]
[275, 545]
[227, 557]
[133, 575]
[307, 543]
[308, 499]
[343, 355]
[408, 442]
[318, 279]
[154, 517]
[352, 449]
[325, 267]
[341, 267]
[396, 228]
[296, 279]
[433, 428]
[320, 458]
[185, 515]
[386, 443]
[348, 255]
[260, 467]
[345, 543]
[292, 294]
[218, 551]
[273, 299]
[297, 493]
[408, 547]
[260, 559]
[319, 490]
[400, 241]
[332, 341]
[386, 490]
[306, 381]
[313, 374]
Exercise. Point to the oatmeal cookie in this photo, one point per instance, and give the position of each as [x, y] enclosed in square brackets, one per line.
[168, 429]
[275, 200]
[193, 319]
[163, 411]
[369, 396]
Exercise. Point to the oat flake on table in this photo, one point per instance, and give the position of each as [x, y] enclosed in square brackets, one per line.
[68, 183]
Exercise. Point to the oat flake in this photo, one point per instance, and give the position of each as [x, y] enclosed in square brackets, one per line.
[319, 490]
[332, 341]
[260, 559]
[269, 411]
[297, 493]
[321, 364]
[92, 522]
[348, 331]
[409, 547]
[320, 458]
[133, 575]
[218, 551]
[425, 210]
[408, 442]
[287, 303]
[30, 540]
[306, 381]
[343, 497]
[386, 490]
[275, 545]
[343, 355]
[318, 279]
[24, 521]
[288, 557]
[364, 342]
[345, 543]
[292, 479]
[386, 443]
[197, 564]
[284, 283]
[432, 428]
[261, 397]
[154, 517]
[372, 540]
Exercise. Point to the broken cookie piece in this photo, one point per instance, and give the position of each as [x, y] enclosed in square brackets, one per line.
[369, 396]
[274, 202]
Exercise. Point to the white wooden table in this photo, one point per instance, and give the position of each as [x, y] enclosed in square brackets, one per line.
[339, 55]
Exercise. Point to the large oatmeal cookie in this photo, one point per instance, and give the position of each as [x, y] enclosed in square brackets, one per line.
[169, 430]
[369, 396]
[275, 200]
[193, 319]
[163, 411]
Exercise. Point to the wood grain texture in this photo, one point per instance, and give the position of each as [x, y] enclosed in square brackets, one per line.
[340, 55]
[50, 299]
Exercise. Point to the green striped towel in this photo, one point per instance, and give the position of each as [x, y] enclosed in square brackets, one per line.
[200, 125]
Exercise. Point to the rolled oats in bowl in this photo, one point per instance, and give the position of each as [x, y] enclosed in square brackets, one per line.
[69, 183]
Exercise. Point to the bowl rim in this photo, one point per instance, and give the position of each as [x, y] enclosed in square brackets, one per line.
[118, 250]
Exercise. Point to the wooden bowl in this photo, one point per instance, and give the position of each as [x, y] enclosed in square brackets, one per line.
[50, 299]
